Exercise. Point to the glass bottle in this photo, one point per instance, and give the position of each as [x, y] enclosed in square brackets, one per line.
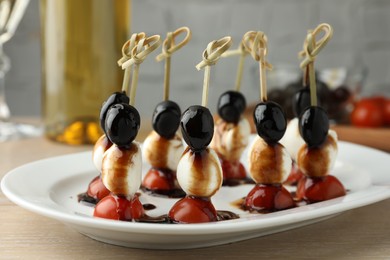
[81, 43]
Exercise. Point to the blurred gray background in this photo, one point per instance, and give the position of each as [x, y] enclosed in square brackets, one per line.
[361, 39]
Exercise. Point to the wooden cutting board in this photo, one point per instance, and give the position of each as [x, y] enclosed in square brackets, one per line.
[378, 138]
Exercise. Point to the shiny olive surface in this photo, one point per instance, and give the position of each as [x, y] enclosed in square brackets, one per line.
[197, 127]
[115, 98]
[122, 124]
[314, 126]
[270, 121]
[231, 105]
[166, 119]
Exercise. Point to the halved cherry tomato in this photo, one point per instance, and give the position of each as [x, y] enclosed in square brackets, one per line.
[386, 111]
[268, 197]
[380, 100]
[97, 190]
[119, 208]
[233, 170]
[193, 210]
[368, 113]
[319, 189]
[158, 180]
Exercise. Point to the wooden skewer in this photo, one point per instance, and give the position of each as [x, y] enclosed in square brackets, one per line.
[242, 52]
[311, 47]
[126, 55]
[138, 54]
[256, 44]
[211, 55]
[169, 47]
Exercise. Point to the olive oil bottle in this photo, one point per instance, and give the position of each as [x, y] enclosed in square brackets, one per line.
[81, 43]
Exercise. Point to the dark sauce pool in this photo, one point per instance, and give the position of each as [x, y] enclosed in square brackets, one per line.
[84, 198]
[222, 215]
[172, 194]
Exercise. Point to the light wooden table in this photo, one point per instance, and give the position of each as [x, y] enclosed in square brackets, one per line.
[357, 234]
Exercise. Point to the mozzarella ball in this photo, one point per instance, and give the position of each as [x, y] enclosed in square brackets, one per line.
[162, 153]
[230, 139]
[101, 146]
[269, 164]
[122, 169]
[200, 174]
[318, 161]
[292, 140]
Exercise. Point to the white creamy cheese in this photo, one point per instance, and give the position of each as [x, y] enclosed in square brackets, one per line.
[122, 169]
[162, 153]
[200, 175]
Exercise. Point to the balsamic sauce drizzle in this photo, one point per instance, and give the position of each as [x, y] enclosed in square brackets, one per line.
[222, 215]
[163, 219]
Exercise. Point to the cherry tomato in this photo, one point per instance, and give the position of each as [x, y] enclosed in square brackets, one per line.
[386, 111]
[97, 190]
[193, 210]
[158, 180]
[268, 198]
[380, 100]
[233, 170]
[319, 189]
[368, 113]
[119, 208]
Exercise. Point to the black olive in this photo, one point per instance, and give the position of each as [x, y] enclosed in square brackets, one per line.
[289, 92]
[314, 126]
[166, 119]
[270, 121]
[278, 95]
[341, 94]
[197, 127]
[293, 87]
[122, 124]
[231, 105]
[301, 101]
[115, 98]
[324, 95]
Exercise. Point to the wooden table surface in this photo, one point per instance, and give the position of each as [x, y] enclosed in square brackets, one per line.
[361, 233]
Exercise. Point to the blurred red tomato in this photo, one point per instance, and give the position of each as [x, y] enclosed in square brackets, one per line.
[368, 112]
[386, 111]
[380, 100]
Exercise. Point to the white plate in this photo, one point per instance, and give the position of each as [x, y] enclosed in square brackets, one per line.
[50, 187]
